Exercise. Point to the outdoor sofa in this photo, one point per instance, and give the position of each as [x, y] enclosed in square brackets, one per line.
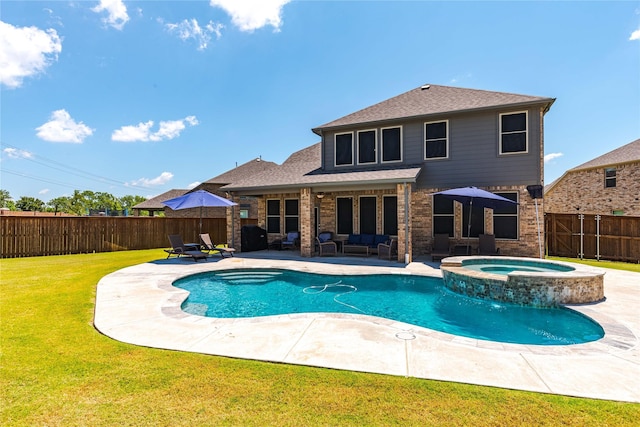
[363, 243]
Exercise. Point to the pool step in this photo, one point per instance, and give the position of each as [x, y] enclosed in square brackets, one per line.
[248, 277]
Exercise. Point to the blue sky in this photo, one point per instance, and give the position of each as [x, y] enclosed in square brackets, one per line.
[139, 97]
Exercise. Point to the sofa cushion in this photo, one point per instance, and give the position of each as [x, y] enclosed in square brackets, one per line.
[354, 239]
[367, 239]
[324, 237]
[380, 238]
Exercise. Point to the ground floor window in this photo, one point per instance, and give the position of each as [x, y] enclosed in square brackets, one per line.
[344, 215]
[390, 215]
[505, 218]
[443, 216]
[273, 216]
[368, 215]
[291, 215]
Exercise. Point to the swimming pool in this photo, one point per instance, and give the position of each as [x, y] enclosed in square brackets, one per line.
[416, 300]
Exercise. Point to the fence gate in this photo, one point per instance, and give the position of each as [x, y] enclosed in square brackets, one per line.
[592, 236]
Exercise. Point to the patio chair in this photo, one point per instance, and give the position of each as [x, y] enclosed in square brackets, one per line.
[440, 248]
[325, 245]
[209, 246]
[178, 248]
[487, 245]
[292, 240]
[388, 250]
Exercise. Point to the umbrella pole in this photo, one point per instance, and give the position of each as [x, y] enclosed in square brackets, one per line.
[200, 219]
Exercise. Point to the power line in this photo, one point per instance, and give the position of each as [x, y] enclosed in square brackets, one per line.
[71, 170]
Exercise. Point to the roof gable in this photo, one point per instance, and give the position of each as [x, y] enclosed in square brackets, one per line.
[252, 167]
[433, 99]
[156, 202]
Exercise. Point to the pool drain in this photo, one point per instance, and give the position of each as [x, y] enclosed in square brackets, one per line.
[406, 335]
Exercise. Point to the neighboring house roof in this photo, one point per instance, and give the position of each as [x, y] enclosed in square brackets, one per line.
[629, 153]
[156, 202]
[429, 100]
[252, 167]
[626, 154]
[302, 168]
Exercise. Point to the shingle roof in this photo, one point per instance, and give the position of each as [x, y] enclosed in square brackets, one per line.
[249, 168]
[625, 154]
[433, 99]
[628, 153]
[302, 168]
[156, 202]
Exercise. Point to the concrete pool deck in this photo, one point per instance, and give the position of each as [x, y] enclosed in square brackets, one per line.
[139, 305]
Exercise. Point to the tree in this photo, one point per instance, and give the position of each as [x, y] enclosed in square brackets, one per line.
[59, 204]
[30, 204]
[6, 201]
[128, 202]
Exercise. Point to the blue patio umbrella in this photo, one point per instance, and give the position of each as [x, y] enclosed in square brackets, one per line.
[470, 196]
[198, 199]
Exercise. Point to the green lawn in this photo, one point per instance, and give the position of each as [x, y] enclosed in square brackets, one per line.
[57, 370]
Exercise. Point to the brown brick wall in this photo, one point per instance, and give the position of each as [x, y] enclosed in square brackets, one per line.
[420, 222]
[584, 192]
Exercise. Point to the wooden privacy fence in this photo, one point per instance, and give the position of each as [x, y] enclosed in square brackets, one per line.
[609, 237]
[37, 236]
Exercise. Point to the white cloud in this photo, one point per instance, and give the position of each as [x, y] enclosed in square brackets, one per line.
[162, 179]
[193, 185]
[26, 51]
[190, 29]
[43, 191]
[116, 10]
[142, 131]
[62, 128]
[551, 156]
[14, 153]
[139, 132]
[249, 15]
[635, 35]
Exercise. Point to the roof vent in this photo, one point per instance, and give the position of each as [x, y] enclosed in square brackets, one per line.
[425, 87]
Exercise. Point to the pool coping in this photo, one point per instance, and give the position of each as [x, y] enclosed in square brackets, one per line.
[139, 305]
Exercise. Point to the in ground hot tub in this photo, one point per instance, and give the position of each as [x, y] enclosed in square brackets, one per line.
[526, 281]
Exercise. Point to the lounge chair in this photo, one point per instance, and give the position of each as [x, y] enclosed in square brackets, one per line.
[326, 246]
[440, 248]
[178, 248]
[292, 241]
[208, 245]
[487, 245]
[388, 250]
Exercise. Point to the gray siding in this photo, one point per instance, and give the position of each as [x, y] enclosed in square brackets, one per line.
[473, 152]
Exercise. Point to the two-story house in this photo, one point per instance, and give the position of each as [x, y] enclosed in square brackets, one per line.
[375, 171]
[608, 184]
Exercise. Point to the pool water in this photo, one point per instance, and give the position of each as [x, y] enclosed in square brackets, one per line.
[417, 300]
[507, 266]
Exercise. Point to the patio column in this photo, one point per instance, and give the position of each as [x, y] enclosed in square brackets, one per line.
[234, 225]
[405, 248]
[306, 222]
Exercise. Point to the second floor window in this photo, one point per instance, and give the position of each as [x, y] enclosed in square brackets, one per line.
[366, 146]
[513, 133]
[344, 149]
[609, 177]
[391, 144]
[436, 140]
